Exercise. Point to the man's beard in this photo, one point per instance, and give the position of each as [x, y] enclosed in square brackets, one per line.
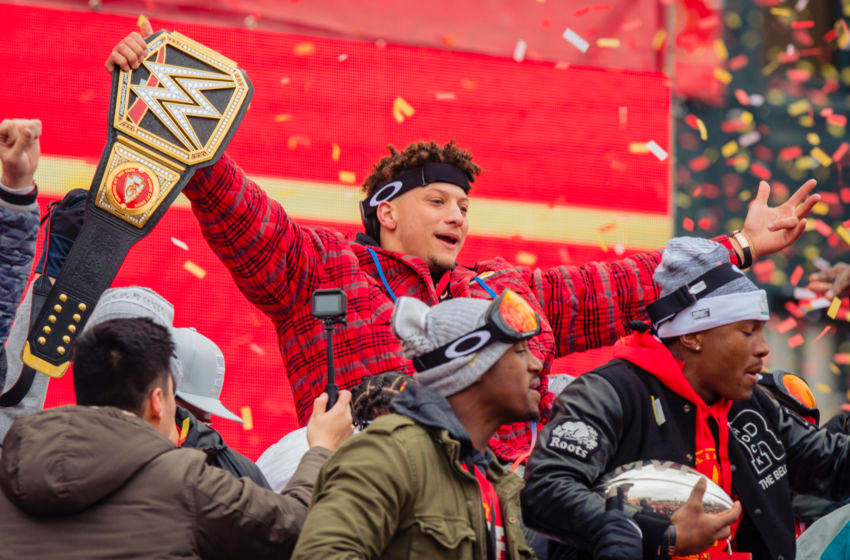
[438, 269]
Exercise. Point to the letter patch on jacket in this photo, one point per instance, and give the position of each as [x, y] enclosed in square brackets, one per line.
[575, 438]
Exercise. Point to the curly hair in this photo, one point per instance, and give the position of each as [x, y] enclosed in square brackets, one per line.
[415, 155]
[371, 398]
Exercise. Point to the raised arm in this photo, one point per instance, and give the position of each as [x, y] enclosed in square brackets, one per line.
[589, 306]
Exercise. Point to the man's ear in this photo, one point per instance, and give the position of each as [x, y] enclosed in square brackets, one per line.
[156, 403]
[387, 215]
[692, 341]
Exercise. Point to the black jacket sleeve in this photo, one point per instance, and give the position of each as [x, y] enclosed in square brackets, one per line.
[818, 461]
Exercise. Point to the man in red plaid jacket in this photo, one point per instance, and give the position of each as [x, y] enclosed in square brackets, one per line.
[278, 264]
[415, 219]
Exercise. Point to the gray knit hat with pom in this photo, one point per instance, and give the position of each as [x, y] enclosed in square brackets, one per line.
[422, 329]
[687, 258]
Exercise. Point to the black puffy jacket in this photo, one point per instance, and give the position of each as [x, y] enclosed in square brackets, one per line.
[771, 451]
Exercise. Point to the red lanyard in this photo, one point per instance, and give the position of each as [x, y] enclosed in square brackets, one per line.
[492, 513]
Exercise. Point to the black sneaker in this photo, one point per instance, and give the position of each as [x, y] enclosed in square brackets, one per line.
[64, 220]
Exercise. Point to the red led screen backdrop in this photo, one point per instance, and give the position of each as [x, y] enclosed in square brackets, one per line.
[567, 174]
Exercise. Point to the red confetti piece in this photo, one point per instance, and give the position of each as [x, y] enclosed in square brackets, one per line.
[791, 152]
[840, 152]
[822, 228]
[760, 171]
[795, 340]
[704, 223]
[699, 163]
[607, 227]
[738, 62]
[763, 270]
[845, 195]
[839, 120]
[742, 97]
[796, 275]
[824, 332]
[798, 75]
[691, 121]
[841, 359]
[829, 197]
[794, 309]
[802, 24]
[786, 325]
[688, 224]
[830, 35]
[804, 39]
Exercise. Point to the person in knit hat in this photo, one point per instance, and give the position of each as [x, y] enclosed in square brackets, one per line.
[684, 389]
[421, 482]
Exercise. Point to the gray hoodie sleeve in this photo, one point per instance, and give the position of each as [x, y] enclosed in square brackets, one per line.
[18, 232]
[11, 356]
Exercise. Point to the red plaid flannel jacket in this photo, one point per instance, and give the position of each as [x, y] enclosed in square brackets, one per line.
[278, 264]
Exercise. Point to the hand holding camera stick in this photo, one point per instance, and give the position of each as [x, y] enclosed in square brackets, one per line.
[329, 306]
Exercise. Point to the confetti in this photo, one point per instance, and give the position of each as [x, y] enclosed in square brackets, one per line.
[608, 43]
[348, 177]
[795, 340]
[445, 95]
[282, 118]
[720, 49]
[526, 259]
[247, 419]
[833, 308]
[519, 50]
[842, 359]
[256, 349]
[840, 152]
[141, 20]
[729, 148]
[342, 58]
[638, 148]
[803, 24]
[658, 39]
[799, 107]
[656, 150]
[722, 75]
[786, 325]
[821, 157]
[576, 40]
[796, 275]
[195, 270]
[402, 109]
[303, 49]
[843, 233]
[703, 133]
[813, 138]
[750, 138]
[826, 330]
[335, 152]
[823, 388]
[834, 369]
[180, 244]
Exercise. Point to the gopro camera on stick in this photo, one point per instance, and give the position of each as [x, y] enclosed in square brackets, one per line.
[330, 306]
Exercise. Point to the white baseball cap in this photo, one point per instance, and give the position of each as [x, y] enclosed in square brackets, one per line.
[203, 372]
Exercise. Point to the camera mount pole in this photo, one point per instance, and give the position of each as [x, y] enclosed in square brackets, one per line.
[331, 387]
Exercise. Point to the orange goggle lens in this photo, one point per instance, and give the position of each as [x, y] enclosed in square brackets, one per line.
[517, 313]
[799, 389]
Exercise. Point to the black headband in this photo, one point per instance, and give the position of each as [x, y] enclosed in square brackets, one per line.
[665, 308]
[417, 177]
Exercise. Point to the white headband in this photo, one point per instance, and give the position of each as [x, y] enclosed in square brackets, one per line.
[710, 312]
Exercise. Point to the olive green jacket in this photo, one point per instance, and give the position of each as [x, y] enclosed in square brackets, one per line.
[399, 491]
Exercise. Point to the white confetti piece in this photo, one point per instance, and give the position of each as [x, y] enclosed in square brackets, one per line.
[820, 303]
[803, 293]
[180, 244]
[656, 150]
[756, 100]
[256, 349]
[342, 58]
[445, 95]
[749, 138]
[519, 50]
[576, 40]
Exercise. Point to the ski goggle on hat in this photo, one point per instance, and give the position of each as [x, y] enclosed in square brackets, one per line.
[508, 319]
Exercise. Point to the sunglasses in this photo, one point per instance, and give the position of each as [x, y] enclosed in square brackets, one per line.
[508, 319]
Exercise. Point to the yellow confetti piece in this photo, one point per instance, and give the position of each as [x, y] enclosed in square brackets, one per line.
[303, 49]
[767, 70]
[602, 243]
[722, 75]
[720, 49]
[782, 12]
[658, 39]
[746, 117]
[821, 156]
[195, 270]
[282, 117]
[833, 308]
[638, 148]
[703, 133]
[526, 259]
[335, 151]
[347, 177]
[402, 109]
[608, 43]
[141, 20]
[813, 138]
[799, 107]
[247, 419]
[729, 148]
[847, 394]
[823, 388]
[821, 209]
[834, 369]
[843, 233]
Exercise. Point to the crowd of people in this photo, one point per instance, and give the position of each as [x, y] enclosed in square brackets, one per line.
[461, 450]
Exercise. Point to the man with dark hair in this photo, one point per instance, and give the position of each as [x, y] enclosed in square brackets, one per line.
[372, 396]
[416, 219]
[105, 480]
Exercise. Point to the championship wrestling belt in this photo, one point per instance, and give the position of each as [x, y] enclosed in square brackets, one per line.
[171, 116]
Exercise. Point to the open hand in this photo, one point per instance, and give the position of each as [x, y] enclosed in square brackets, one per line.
[132, 49]
[696, 530]
[330, 428]
[19, 151]
[772, 229]
[831, 283]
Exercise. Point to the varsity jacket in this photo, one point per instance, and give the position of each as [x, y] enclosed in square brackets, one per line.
[606, 418]
[278, 264]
